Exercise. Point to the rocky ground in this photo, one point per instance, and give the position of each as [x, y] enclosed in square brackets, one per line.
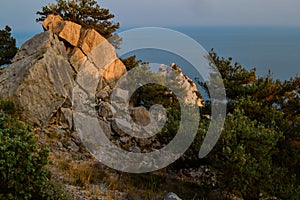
[85, 178]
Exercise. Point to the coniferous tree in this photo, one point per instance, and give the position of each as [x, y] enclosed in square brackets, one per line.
[8, 47]
[87, 13]
[258, 152]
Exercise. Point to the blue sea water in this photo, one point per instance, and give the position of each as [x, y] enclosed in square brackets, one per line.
[274, 48]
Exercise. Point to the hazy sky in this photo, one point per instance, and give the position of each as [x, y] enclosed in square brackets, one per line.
[20, 14]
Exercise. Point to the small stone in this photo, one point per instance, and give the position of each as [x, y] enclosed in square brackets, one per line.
[59, 144]
[144, 142]
[121, 126]
[102, 96]
[67, 117]
[124, 139]
[135, 149]
[58, 132]
[140, 115]
[105, 110]
[171, 196]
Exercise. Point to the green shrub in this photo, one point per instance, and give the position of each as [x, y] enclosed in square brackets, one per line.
[8, 47]
[22, 162]
[54, 191]
[258, 151]
[243, 158]
[7, 107]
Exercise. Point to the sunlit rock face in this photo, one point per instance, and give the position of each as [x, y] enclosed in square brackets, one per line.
[43, 74]
[67, 75]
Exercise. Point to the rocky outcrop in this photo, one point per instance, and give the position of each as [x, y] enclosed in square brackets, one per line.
[54, 23]
[40, 79]
[57, 72]
[53, 67]
[86, 47]
[174, 75]
[43, 74]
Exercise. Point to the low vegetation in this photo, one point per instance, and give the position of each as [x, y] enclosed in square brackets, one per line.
[23, 172]
[257, 155]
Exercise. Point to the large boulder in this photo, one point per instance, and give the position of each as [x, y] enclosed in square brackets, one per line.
[87, 48]
[40, 79]
[90, 40]
[140, 115]
[74, 29]
[77, 58]
[68, 31]
[52, 65]
[54, 23]
[113, 72]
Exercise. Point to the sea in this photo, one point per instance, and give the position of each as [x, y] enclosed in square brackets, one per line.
[274, 49]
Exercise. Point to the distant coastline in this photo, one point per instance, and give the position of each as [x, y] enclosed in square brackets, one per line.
[274, 48]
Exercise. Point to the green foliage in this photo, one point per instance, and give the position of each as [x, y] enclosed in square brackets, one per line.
[7, 107]
[153, 93]
[131, 62]
[22, 162]
[244, 156]
[258, 152]
[54, 191]
[8, 47]
[84, 12]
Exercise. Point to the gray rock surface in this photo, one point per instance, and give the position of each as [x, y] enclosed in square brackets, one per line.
[105, 110]
[121, 126]
[52, 65]
[40, 79]
[188, 90]
[140, 115]
[172, 196]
